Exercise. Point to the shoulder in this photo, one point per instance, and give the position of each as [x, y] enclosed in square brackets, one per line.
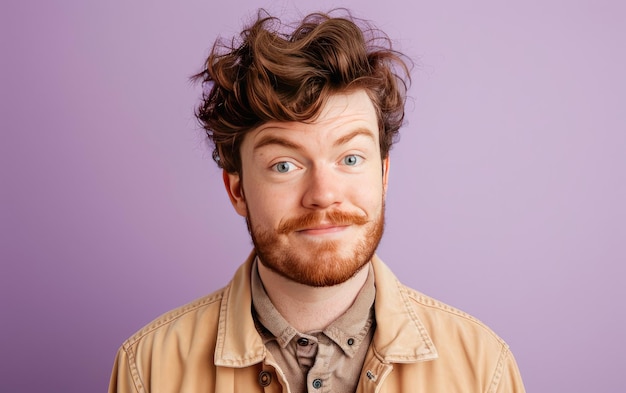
[159, 352]
[447, 325]
[469, 355]
[432, 317]
[436, 314]
[182, 320]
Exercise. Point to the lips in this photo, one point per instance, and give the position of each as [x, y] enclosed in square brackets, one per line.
[322, 229]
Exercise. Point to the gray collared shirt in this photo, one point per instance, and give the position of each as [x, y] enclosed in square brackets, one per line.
[329, 360]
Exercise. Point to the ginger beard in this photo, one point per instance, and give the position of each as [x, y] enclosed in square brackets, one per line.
[319, 263]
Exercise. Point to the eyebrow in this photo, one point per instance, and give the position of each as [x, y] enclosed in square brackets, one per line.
[348, 137]
[275, 140]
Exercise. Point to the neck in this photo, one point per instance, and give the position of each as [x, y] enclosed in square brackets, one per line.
[309, 308]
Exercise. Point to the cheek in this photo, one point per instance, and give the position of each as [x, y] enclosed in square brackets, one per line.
[369, 200]
[268, 205]
[370, 187]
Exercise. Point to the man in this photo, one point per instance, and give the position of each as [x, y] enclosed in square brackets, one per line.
[302, 122]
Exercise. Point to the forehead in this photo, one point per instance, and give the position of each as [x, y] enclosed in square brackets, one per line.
[353, 105]
[342, 113]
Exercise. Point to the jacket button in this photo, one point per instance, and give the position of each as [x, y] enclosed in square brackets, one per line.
[317, 383]
[303, 342]
[265, 378]
[350, 341]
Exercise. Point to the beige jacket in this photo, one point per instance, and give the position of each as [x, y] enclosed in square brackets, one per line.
[211, 345]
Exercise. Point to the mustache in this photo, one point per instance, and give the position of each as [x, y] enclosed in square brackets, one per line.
[309, 220]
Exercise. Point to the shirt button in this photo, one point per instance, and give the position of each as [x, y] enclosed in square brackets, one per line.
[350, 341]
[303, 342]
[317, 383]
[265, 378]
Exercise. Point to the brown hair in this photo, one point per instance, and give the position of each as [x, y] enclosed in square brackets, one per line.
[270, 74]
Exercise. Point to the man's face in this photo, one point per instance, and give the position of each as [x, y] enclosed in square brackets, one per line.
[313, 193]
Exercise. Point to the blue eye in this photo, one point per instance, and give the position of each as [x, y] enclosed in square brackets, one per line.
[352, 159]
[283, 166]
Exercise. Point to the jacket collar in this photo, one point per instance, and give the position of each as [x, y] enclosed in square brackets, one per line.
[238, 342]
[400, 336]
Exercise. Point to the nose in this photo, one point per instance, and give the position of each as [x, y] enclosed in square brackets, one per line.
[322, 189]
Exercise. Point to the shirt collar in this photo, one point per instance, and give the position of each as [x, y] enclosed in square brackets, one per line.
[400, 335]
[347, 331]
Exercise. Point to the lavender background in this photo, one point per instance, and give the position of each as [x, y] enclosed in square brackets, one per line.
[507, 188]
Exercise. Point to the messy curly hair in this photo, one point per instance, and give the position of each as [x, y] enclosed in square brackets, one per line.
[282, 73]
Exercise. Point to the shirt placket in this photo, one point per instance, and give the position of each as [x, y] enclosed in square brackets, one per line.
[319, 377]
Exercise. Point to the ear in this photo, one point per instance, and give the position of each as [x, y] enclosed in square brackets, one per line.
[234, 188]
[385, 175]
